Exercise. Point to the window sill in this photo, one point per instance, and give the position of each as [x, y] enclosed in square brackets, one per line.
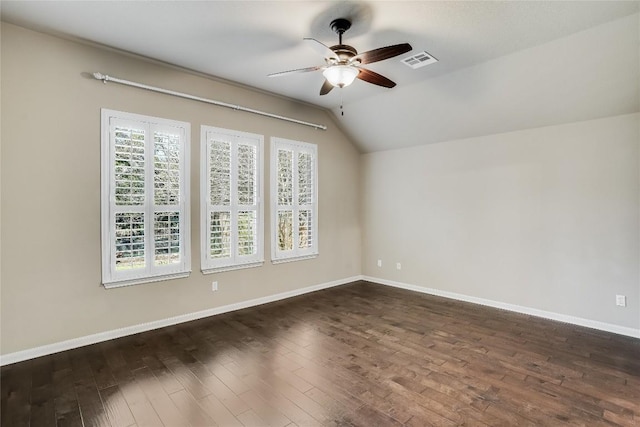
[293, 259]
[232, 267]
[123, 283]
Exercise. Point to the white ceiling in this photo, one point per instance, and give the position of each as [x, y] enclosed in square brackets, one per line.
[493, 73]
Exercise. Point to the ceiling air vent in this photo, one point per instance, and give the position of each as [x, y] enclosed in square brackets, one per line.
[419, 60]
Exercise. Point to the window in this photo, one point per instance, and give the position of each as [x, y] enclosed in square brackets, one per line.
[294, 200]
[145, 199]
[231, 200]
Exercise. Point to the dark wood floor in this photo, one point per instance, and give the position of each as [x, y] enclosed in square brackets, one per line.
[360, 354]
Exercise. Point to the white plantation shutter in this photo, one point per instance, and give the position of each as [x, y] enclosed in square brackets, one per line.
[247, 199]
[145, 201]
[306, 200]
[294, 200]
[285, 199]
[219, 179]
[166, 188]
[231, 202]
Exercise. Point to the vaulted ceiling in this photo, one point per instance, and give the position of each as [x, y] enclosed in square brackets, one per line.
[502, 66]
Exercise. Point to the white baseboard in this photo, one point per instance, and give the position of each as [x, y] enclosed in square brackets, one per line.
[593, 324]
[44, 350]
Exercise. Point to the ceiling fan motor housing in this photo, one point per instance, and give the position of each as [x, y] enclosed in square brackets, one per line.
[344, 52]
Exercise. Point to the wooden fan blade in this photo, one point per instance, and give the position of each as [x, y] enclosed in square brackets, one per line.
[321, 48]
[375, 78]
[326, 88]
[299, 70]
[382, 53]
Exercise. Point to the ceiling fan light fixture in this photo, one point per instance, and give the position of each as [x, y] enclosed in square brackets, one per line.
[341, 75]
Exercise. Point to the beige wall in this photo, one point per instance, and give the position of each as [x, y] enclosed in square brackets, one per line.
[51, 191]
[544, 218]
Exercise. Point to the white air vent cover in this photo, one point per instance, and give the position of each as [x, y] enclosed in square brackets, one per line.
[419, 60]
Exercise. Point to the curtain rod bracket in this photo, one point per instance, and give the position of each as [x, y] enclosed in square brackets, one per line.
[99, 76]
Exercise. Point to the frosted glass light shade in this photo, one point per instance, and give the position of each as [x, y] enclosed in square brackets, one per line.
[341, 75]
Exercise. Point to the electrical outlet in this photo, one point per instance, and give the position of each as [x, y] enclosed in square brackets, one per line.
[379, 263]
[214, 286]
[621, 300]
[398, 266]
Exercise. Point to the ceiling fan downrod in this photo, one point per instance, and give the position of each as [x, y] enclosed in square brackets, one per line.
[339, 26]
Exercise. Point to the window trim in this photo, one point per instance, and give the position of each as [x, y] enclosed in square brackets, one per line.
[151, 273]
[234, 137]
[296, 254]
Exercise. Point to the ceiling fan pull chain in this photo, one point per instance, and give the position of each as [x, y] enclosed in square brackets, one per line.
[341, 103]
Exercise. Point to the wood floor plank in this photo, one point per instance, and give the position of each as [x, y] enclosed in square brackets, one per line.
[16, 395]
[101, 370]
[271, 415]
[169, 382]
[336, 391]
[225, 395]
[336, 412]
[116, 407]
[369, 416]
[251, 419]
[190, 409]
[354, 355]
[231, 380]
[433, 405]
[92, 410]
[112, 354]
[218, 412]
[66, 405]
[140, 406]
[159, 399]
[42, 393]
[296, 405]
[42, 406]
[186, 378]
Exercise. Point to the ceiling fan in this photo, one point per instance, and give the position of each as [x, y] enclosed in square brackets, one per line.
[343, 62]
